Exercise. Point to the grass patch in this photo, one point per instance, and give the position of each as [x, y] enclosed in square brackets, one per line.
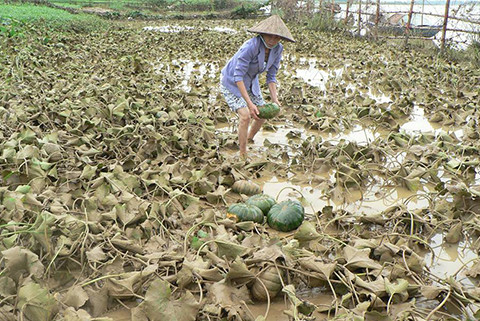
[49, 17]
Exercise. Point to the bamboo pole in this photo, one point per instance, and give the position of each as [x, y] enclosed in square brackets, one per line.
[346, 11]
[377, 19]
[359, 16]
[409, 22]
[423, 10]
[445, 22]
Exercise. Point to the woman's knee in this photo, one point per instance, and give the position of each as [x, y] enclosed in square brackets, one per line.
[244, 115]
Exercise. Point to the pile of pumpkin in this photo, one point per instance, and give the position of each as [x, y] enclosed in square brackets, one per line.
[284, 216]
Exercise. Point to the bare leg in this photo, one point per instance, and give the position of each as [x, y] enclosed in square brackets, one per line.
[256, 125]
[244, 121]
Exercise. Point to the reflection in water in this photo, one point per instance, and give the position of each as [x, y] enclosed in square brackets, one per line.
[283, 133]
[314, 296]
[223, 29]
[375, 200]
[280, 136]
[174, 29]
[275, 313]
[359, 135]
[418, 123]
[188, 70]
[448, 259]
[314, 76]
[312, 200]
[168, 29]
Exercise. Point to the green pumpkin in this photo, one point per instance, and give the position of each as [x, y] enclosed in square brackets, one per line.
[246, 187]
[286, 216]
[241, 212]
[262, 201]
[268, 111]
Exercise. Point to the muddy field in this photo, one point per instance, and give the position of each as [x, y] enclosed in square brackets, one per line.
[118, 155]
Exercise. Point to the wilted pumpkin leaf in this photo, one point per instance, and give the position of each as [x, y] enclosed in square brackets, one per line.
[455, 233]
[96, 254]
[229, 298]
[159, 304]
[432, 292]
[19, 261]
[36, 302]
[7, 287]
[229, 249]
[399, 287]
[75, 297]
[306, 232]
[239, 272]
[71, 314]
[359, 258]
[316, 265]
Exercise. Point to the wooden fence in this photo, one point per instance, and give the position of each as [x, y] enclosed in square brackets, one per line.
[370, 16]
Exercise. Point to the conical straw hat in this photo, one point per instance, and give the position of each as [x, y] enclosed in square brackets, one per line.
[273, 25]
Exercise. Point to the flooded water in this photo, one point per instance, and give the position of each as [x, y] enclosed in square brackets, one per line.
[365, 202]
[175, 29]
[188, 71]
[418, 123]
[313, 76]
[280, 304]
[168, 29]
[450, 259]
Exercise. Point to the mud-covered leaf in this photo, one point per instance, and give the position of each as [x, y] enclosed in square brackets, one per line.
[71, 314]
[317, 265]
[359, 258]
[474, 271]
[36, 302]
[239, 272]
[75, 297]
[455, 233]
[399, 287]
[229, 249]
[159, 304]
[229, 298]
[96, 254]
[19, 261]
[7, 287]
[306, 232]
[432, 292]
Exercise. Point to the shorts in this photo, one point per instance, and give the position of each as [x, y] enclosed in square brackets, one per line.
[235, 102]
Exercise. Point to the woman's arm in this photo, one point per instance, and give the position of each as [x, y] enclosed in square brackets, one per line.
[272, 87]
[272, 75]
[250, 105]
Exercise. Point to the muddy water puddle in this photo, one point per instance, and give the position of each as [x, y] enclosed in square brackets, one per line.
[314, 200]
[177, 29]
[280, 304]
[188, 72]
[450, 259]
